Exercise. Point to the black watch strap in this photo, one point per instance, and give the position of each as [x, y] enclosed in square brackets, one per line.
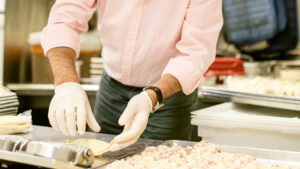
[158, 92]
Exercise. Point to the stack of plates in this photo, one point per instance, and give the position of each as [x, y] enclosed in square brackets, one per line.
[8, 102]
[96, 68]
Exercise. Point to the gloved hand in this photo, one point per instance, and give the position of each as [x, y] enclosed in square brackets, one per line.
[70, 110]
[135, 118]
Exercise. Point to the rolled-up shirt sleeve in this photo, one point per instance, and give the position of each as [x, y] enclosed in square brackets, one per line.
[197, 46]
[68, 19]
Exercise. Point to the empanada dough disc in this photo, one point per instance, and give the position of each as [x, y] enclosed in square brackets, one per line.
[97, 146]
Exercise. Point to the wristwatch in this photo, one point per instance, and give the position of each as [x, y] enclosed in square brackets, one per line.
[160, 99]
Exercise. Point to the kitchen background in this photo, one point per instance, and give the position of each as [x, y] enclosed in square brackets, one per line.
[26, 71]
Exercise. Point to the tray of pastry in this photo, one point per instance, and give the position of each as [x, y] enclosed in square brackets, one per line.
[109, 157]
[285, 158]
[186, 154]
[267, 100]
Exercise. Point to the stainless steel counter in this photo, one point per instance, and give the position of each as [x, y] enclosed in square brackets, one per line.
[45, 89]
[47, 148]
[38, 96]
[262, 155]
[41, 133]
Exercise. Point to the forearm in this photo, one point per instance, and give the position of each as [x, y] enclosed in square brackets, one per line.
[62, 60]
[168, 85]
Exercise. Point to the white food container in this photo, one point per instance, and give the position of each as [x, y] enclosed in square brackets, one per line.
[250, 126]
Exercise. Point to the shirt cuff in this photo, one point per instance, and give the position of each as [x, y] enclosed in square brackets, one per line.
[60, 35]
[189, 76]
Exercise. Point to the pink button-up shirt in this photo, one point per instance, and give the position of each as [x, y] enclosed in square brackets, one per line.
[143, 39]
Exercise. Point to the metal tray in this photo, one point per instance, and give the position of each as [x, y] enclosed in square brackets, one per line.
[136, 148]
[11, 143]
[13, 148]
[226, 91]
[47, 134]
[288, 158]
[28, 159]
[266, 100]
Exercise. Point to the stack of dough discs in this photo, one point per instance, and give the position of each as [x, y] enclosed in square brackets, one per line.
[97, 146]
[14, 124]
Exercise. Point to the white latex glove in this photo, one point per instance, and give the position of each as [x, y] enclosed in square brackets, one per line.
[135, 118]
[70, 110]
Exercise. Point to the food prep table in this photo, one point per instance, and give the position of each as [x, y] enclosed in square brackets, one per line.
[46, 135]
[45, 89]
[37, 97]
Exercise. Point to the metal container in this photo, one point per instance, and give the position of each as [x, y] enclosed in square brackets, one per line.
[12, 143]
[73, 154]
[7, 144]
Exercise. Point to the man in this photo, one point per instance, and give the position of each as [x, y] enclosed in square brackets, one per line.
[164, 45]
